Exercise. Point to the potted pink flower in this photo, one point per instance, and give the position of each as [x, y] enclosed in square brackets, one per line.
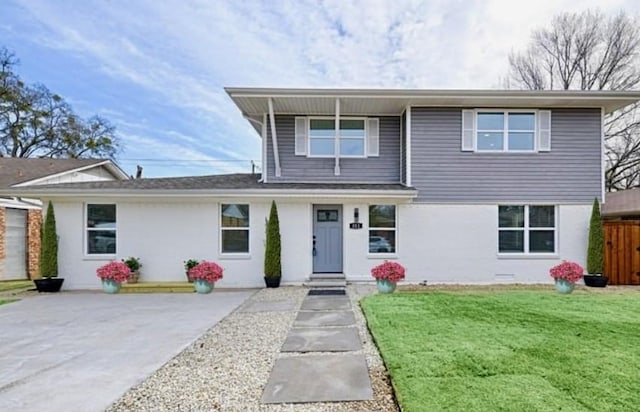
[112, 275]
[387, 274]
[204, 275]
[566, 275]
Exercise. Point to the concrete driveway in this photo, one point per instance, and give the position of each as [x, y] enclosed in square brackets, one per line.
[82, 351]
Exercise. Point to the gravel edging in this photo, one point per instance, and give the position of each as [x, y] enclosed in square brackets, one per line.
[227, 368]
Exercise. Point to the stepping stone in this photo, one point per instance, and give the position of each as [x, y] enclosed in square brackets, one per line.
[315, 318]
[326, 303]
[318, 378]
[268, 306]
[322, 340]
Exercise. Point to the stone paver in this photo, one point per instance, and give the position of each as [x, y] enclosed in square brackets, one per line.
[326, 303]
[322, 340]
[82, 351]
[318, 378]
[268, 306]
[317, 318]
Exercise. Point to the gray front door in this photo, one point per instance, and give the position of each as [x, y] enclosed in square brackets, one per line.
[327, 239]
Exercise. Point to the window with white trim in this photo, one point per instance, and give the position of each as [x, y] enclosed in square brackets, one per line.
[382, 229]
[322, 137]
[505, 131]
[527, 229]
[234, 228]
[100, 228]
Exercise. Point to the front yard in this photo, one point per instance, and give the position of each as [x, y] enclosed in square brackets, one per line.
[509, 350]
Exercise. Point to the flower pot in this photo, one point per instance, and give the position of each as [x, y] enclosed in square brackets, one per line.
[48, 284]
[596, 281]
[188, 278]
[110, 286]
[272, 282]
[385, 286]
[134, 276]
[564, 286]
[202, 286]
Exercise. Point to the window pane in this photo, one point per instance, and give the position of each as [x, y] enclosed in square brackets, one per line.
[101, 242]
[382, 241]
[235, 241]
[511, 241]
[322, 147]
[322, 124]
[522, 121]
[101, 216]
[352, 147]
[511, 216]
[235, 215]
[351, 124]
[327, 216]
[382, 216]
[541, 216]
[490, 121]
[520, 141]
[490, 141]
[541, 241]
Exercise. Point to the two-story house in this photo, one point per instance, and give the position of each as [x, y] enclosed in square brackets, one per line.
[460, 186]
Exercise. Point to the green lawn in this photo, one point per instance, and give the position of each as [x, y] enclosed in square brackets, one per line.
[512, 350]
[3, 301]
[15, 284]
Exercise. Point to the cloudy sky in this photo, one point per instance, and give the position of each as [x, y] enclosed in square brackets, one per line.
[157, 68]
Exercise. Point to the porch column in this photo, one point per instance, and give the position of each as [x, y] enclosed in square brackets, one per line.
[336, 169]
[274, 138]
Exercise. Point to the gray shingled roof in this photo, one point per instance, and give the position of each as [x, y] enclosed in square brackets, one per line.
[237, 181]
[624, 202]
[19, 170]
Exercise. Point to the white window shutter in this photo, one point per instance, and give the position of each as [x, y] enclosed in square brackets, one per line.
[302, 127]
[468, 131]
[544, 130]
[373, 137]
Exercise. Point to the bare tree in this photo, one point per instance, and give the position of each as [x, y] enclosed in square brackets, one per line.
[34, 122]
[590, 51]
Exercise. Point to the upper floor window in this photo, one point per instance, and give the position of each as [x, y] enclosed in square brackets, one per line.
[504, 131]
[527, 229]
[234, 225]
[101, 229]
[322, 135]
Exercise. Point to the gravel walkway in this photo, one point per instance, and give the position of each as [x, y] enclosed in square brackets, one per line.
[226, 368]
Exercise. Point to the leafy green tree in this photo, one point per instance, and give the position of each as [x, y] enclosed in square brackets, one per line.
[272, 265]
[34, 122]
[49, 253]
[595, 252]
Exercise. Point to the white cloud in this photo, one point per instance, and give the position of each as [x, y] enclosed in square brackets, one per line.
[184, 53]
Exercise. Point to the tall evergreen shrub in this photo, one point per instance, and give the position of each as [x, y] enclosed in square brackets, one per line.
[595, 252]
[272, 266]
[49, 245]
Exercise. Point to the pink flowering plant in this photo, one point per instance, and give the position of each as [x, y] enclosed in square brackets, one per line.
[116, 271]
[570, 271]
[391, 271]
[208, 271]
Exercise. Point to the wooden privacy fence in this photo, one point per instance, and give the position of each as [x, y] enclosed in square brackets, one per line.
[622, 252]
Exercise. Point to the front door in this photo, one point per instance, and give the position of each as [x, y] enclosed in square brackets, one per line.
[327, 239]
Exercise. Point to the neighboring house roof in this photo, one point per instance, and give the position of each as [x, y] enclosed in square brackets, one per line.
[239, 183]
[624, 202]
[254, 102]
[24, 171]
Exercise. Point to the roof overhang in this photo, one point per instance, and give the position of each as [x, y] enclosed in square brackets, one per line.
[33, 191]
[253, 102]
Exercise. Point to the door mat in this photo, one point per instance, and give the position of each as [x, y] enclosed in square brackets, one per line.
[327, 292]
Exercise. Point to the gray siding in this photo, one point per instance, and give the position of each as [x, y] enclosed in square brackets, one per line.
[382, 169]
[570, 172]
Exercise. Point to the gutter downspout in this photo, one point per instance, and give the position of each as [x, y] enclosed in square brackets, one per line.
[274, 139]
[336, 169]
